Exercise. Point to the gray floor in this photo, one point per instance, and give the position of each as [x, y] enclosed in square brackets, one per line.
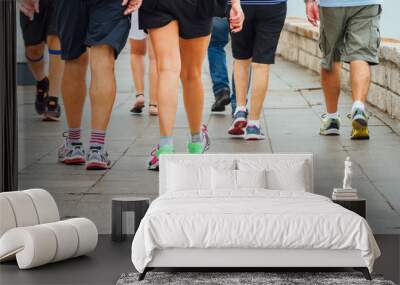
[291, 120]
[106, 264]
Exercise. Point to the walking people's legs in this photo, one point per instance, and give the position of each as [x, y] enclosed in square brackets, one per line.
[35, 57]
[217, 63]
[138, 54]
[153, 81]
[349, 34]
[52, 110]
[169, 68]
[193, 92]
[77, 32]
[36, 31]
[255, 46]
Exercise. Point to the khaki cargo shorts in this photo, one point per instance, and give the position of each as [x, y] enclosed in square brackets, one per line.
[349, 33]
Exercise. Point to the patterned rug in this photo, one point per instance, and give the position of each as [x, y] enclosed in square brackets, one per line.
[269, 278]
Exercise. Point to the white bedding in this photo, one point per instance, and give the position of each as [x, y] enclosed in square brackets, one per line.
[250, 218]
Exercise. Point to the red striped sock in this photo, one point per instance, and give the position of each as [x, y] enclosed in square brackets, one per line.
[97, 138]
[74, 135]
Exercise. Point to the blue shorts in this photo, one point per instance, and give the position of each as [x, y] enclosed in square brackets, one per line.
[83, 24]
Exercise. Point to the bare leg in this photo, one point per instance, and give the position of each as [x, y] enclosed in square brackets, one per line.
[33, 54]
[260, 88]
[331, 86]
[169, 68]
[74, 89]
[360, 80]
[152, 75]
[56, 67]
[102, 87]
[241, 74]
[138, 53]
[193, 53]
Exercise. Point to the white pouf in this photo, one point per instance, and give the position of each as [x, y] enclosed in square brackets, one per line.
[31, 231]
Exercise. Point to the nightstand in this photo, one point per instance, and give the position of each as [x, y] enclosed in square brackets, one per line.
[358, 206]
[127, 212]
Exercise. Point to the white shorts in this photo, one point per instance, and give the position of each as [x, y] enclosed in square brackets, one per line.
[135, 33]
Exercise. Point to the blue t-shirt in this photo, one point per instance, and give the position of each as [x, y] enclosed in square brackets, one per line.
[348, 3]
[260, 2]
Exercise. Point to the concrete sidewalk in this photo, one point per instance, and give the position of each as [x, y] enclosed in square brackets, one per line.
[291, 122]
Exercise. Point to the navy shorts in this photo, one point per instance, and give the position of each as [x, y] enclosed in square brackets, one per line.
[44, 24]
[159, 13]
[259, 37]
[83, 24]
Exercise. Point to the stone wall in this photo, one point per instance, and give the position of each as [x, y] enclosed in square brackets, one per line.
[299, 44]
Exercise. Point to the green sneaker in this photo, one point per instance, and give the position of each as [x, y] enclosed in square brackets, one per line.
[154, 161]
[201, 147]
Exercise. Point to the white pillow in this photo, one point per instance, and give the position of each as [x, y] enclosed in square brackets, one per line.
[223, 179]
[251, 179]
[285, 174]
[184, 177]
[288, 178]
[227, 179]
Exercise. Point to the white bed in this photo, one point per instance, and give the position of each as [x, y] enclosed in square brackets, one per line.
[201, 220]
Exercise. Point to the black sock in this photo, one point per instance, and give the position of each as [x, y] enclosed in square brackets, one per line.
[43, 84]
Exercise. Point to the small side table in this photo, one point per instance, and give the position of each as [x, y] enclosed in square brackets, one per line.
[138, 205]
[358, 206]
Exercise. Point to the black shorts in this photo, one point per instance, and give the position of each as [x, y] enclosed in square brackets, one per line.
[159, 13]
[86, 23]
[43, 24]
[260, 35]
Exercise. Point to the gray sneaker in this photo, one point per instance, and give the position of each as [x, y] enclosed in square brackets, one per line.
[71, 153]
[97, 159]
[329, 126]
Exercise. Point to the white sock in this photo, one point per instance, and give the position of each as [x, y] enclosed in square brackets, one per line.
[254, 123]
[240, 109]
[333, 115]
[357, 105]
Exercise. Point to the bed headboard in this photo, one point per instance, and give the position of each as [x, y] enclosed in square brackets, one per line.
[165, 160]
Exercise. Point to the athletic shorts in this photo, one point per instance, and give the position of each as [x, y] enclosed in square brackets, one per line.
[350, 33]
[136, 33]
[83, 24]
[159, 13]
[259, 37]
[44, 24]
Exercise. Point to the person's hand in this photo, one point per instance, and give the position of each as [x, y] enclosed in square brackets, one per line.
[236, 18]
[29, 8]
[131, 6]
[312, 12]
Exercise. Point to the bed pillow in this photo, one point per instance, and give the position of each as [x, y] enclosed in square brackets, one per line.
[288, 175]
[223, 179]
[194, 175]
[184, 177]
[291, 178]
[251, 179]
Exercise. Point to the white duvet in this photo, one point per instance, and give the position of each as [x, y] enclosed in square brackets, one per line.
[250, 219]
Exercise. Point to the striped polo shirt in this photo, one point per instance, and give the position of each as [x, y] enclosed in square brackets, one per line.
[260, 2]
